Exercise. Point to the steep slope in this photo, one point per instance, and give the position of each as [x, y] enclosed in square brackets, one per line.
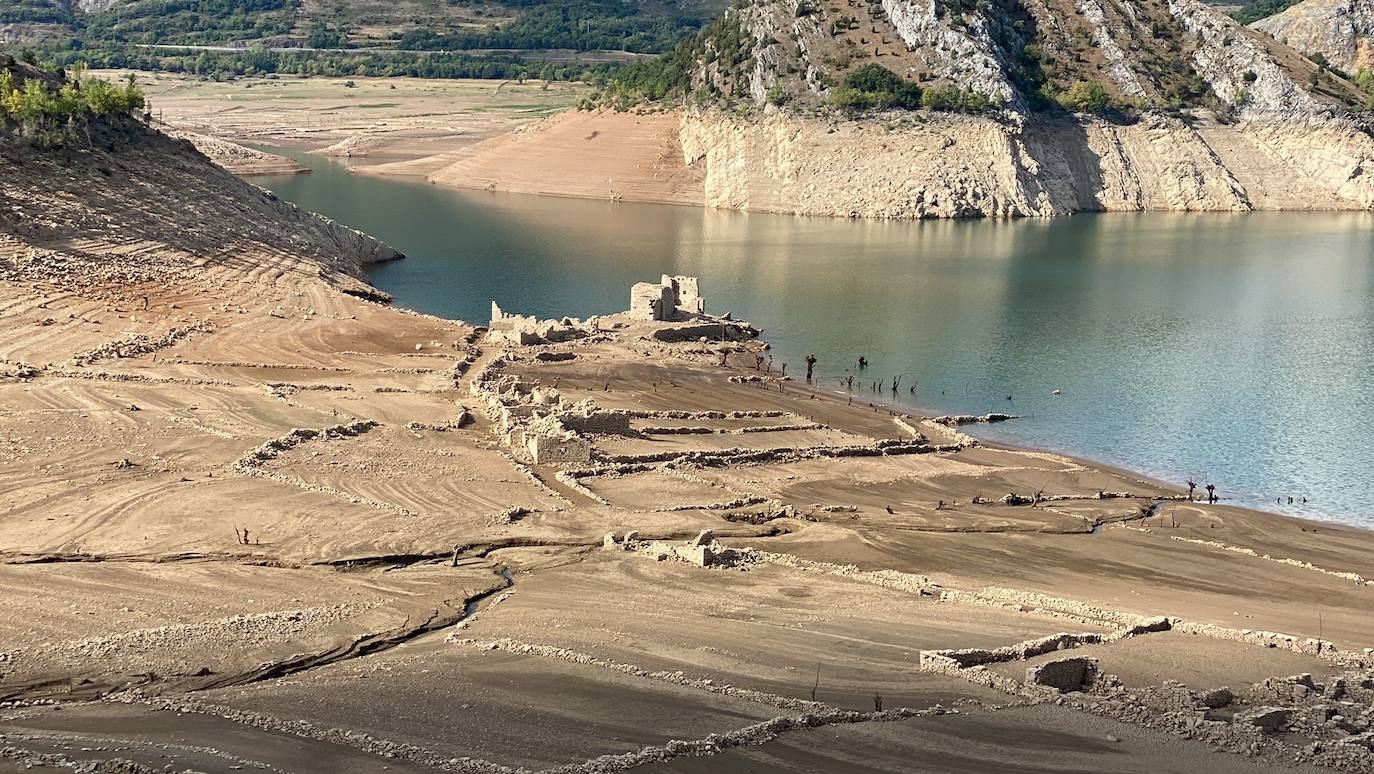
[164, 209]
[25, 21]
[1342, 31]
[787, 113]
[1023, 54]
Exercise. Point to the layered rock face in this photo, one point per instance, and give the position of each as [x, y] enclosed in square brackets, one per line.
[1340, 30]
[1210, 116]
[974, 166]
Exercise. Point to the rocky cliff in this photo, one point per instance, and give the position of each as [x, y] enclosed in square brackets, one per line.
[1342, 31]
[1022, 55]
[1192, 112]
[973, 166]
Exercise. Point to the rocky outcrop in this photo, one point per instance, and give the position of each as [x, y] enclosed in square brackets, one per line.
[965, 55]
[977, 166]
[1340, 30]
[1238, 66]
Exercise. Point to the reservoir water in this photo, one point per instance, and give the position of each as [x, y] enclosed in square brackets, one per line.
[1233, 349]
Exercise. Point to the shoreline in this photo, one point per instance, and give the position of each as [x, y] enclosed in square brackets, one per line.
[1325, 517]
[394, 477]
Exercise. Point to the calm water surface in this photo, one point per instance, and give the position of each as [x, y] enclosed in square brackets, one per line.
[1235, 349]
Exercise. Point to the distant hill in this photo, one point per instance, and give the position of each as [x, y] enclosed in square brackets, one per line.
[371, 34]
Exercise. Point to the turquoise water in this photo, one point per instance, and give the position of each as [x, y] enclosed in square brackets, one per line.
[1235, 349]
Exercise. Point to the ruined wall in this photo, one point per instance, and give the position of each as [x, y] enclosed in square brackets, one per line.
[566, 449]
[650, 301]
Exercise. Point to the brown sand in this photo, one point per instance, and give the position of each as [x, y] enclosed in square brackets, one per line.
[158, 361]
[588, 155]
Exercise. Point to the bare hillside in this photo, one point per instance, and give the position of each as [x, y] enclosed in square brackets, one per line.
[1342, 31]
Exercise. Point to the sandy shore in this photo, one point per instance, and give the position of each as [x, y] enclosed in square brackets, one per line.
[416, 592]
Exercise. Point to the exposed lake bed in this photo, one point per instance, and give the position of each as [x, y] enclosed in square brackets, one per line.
[1231, 349]
[455, 551]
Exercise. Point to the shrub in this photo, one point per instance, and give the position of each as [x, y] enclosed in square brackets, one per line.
[35, 106]
[876, 87]
[943, 98]
[1086, 97]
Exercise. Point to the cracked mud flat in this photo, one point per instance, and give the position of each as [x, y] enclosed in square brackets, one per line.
[414, 595]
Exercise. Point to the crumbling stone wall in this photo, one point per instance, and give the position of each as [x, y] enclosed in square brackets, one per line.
[1064, 675]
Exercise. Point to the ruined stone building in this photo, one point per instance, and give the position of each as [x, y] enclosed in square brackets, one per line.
[671, 299]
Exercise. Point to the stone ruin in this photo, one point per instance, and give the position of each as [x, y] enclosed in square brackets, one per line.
[703, 550]
[538, 424]
[524, 330]
[1064, 675]
[672, 299]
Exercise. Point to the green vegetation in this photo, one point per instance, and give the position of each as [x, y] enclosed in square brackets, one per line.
[184, 22]
[582, 25]
[322, 34]
[257, 60]
[1364, 79]
[874, 87]
[722, 43]
[120, 36]
[655, 79]
[33, 12]
[41, 108]
[953, 98]
[1254, 10]
[1086, 97]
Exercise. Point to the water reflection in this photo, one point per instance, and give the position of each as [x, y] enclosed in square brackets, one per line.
[1229, 348]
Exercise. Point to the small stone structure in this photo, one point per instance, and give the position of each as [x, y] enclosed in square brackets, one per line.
[672, 299]
[702, 550]
[524, 330]
[537, 423]
[1065, 675]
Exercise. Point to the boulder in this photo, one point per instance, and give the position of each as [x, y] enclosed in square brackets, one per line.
[1270, 720]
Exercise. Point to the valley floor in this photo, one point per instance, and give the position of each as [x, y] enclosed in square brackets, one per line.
[383, 607]
[402, 125]
[253, 519]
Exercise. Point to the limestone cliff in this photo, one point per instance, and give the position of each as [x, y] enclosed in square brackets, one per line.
[1021, 55]
[970, 166]
[1194, 112]
[1340, 30]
